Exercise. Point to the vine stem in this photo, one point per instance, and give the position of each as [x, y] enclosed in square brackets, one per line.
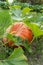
[32, 39]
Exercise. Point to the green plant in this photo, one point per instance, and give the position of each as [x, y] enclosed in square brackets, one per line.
[32, 16]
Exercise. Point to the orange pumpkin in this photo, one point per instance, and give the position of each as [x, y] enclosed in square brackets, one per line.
[21, 30]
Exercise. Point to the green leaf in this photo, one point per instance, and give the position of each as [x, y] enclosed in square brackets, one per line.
[35, 29]
[26, 10]
[16, 7]
[16, 58]
[1, 63]
[15, 39]
[5, 21]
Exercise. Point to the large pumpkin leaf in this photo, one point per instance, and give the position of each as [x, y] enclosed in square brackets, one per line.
[16, 58]
[26, 10]
[5, 21]
[35, 29]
